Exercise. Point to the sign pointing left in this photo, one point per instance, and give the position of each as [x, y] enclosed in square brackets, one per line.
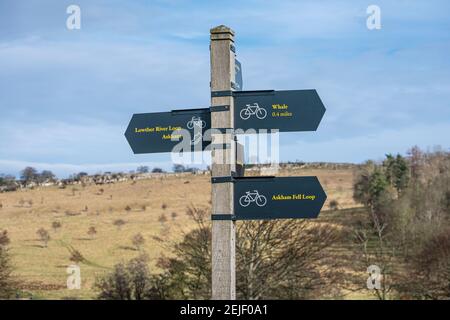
[159, 131]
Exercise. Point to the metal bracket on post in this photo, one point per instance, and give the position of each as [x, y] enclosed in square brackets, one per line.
[221, 146]
[223, 131]
[224, 107]
[223, 217]
[221, 93]
[222, 179]
[189, 111]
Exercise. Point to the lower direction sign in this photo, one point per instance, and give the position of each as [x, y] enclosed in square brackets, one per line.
[277, 198]
[158, 132]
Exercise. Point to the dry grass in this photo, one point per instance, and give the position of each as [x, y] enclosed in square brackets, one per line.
[42, 270]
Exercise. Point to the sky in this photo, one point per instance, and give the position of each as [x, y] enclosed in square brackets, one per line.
[66, 96]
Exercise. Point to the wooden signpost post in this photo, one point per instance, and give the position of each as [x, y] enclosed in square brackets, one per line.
[232, 111]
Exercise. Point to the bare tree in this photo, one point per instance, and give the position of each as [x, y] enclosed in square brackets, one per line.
[131, 281]
[333, 205]
[138, 241]
[75, 255]
[281, 259]
[274, 259]
[44, 236]
[6, 283]
[29, 174]
[92, 232]
[56, 225]
[119, 223]
[162, 218]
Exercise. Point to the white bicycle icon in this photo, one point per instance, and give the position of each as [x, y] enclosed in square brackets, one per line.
[254, 109]
[252, 196]
[196, 121]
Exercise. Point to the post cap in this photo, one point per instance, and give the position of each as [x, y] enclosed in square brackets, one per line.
[222, 29]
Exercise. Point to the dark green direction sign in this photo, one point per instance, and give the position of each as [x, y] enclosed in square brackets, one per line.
[277, 198]
[153, 132]
[289, 110]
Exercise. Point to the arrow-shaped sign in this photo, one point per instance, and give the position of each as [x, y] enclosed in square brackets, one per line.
[289, 110]
[277, 198]
[159, 132]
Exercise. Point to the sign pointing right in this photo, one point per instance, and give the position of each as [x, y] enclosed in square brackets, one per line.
[288, 110]
[277, 198]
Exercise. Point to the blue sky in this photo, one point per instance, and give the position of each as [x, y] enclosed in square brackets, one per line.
[66, 96]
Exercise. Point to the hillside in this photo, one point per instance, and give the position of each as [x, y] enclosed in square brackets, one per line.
[154, 207]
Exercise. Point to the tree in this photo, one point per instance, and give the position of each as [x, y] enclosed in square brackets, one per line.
[430, 278]
[333, 205]
[44, 236]
[138, 241]
[162, 218]
[56, 225]
[4, 239]
[178, 168]
[6, 180]
[46, 175]
[274, 259]
[75, 255]
[92, 232]
[6, 283]
[410, 229]
[143, 169]
[396, 171]
[79, 176]
[157, 170]
[119, 223]
[371, 187]
[131, 281]
[29, 174]
[284, 259]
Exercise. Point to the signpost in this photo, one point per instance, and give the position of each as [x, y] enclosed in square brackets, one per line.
[235, 197]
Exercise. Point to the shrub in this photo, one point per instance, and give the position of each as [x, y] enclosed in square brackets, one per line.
[6, 284]
[56, 225]
[44, 236]
[75, 255]
[138, 241]
[162, 218]
[92, 232]
[333, 205]
[131, 281]
[119, 223]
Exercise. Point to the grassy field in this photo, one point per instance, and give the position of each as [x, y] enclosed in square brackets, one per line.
[143, 205]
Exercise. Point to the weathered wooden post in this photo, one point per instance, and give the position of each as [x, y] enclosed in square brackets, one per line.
[222, 164]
